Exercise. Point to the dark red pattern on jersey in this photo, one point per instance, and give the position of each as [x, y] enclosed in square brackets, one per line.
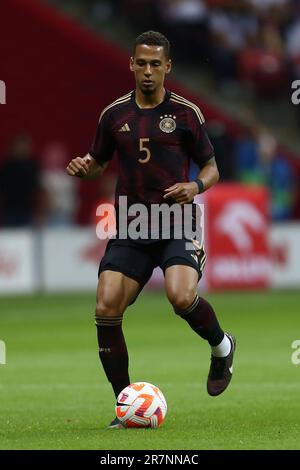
[170, 152]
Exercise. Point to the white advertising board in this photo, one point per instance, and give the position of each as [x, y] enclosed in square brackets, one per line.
[71, 259]
[17, 267]
[62, 260]
[285, 246]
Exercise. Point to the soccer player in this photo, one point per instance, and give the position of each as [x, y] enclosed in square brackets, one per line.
[155, 133]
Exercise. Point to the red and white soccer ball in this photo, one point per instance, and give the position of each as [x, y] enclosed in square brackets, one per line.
[141, 405]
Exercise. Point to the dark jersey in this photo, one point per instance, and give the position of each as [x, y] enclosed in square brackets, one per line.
[154, 146]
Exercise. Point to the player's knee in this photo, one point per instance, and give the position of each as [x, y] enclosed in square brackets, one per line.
[181, 299]
[109, 307]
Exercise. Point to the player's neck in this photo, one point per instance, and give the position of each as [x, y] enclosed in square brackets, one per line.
[149, 101]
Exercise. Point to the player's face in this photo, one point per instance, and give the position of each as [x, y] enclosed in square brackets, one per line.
[149, 66]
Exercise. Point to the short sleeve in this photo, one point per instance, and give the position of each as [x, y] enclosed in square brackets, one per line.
[200, 146]
[103, 145]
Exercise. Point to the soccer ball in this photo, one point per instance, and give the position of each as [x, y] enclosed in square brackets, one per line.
[141, 405]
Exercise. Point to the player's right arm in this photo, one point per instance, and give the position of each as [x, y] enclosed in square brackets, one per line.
[101, 152]
[86, 167]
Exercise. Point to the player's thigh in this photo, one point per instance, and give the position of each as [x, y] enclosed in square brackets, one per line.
[182, 269]
[115, 292]
[181, 285]
[130, 262]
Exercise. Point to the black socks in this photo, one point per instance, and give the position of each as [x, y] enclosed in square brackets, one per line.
[113, 351]
[202, 319]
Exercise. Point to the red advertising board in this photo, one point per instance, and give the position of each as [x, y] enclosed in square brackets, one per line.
[236, 224]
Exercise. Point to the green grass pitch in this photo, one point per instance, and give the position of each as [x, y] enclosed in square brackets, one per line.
[54, 395]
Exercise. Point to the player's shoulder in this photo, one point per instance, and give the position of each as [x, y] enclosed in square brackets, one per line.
[191, 108]
[116, 105]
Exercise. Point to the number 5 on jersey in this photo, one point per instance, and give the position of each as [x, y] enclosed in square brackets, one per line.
[145, 149]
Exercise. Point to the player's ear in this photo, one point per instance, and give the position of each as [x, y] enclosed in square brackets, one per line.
[169, 66]
[131, 63]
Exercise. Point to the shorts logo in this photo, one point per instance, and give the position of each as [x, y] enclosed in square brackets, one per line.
[167, 124]
[195, 257]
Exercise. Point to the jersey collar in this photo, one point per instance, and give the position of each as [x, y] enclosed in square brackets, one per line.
[155, 108]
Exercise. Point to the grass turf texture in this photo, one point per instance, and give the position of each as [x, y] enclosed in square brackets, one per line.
[54, 395]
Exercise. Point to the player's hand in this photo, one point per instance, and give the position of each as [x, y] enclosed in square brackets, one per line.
[79, 167]
[182, 193]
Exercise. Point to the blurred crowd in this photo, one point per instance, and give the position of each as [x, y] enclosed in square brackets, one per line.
[255, 42]
[251, 42]
[35, 190]
[255, 158]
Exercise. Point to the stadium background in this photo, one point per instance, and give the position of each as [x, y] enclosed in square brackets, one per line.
[64, 63]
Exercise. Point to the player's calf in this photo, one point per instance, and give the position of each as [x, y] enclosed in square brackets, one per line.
[113, 351]
[202, 319]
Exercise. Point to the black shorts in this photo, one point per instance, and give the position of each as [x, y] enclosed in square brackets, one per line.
[137, 260]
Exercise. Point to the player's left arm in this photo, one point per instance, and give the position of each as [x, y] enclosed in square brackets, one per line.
[209, 175]
[185, 192]
[200, 148]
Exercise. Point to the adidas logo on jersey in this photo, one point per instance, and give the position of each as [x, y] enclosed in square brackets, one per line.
[124, 128]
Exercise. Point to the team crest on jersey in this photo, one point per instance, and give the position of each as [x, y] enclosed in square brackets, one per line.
[167, 123]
